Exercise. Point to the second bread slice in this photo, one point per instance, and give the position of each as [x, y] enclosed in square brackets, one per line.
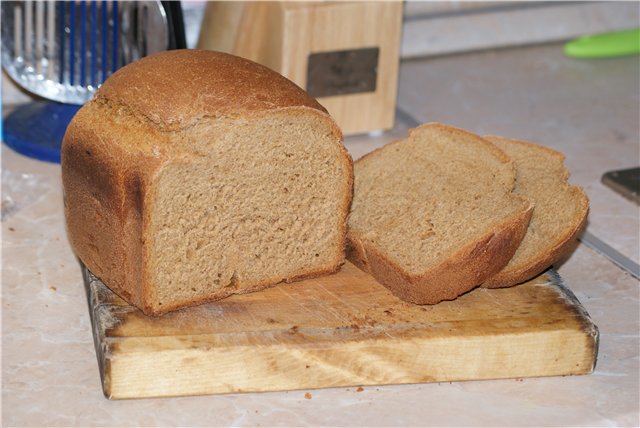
[434, 215]
[560, 213]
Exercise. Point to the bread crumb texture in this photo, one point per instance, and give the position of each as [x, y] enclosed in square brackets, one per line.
[261, 201]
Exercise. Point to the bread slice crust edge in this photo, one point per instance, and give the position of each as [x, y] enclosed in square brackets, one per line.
[468, 267]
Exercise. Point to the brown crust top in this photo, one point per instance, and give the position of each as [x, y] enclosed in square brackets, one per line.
[204, 83]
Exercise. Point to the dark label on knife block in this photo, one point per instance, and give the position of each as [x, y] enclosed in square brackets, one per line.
[342, 72]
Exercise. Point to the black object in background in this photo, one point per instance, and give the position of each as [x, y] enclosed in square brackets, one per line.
[175, 21]
[624, 181]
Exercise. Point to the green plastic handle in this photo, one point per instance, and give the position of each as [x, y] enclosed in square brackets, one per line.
[606, 45]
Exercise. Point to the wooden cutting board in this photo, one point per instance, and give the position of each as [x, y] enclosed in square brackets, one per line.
[339, 330]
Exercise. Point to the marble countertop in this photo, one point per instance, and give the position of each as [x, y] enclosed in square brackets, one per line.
[587, 109]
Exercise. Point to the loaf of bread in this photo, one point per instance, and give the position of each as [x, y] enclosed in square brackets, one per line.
[560, 210]
[434, 215]
[193, 175]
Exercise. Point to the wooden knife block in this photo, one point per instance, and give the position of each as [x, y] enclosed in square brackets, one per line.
[345, 54]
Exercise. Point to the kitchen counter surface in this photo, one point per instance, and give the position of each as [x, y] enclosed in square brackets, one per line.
[587, 109]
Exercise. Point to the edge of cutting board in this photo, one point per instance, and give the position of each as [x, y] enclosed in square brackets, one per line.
[335, 331]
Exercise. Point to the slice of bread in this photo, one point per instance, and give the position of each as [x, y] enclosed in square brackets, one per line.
[560, 210]
[193, 175]
[434, 215]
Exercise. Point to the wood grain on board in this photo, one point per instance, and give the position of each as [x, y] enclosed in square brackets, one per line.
[339, 330]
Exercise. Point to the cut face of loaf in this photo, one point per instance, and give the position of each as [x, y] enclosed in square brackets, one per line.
[265, 204]
[560, 210]
[434, 215]
[235, 183]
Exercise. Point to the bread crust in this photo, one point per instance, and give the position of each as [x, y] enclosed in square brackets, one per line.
[561, 243]
[105, 187]
[119, 141]
[174, 89]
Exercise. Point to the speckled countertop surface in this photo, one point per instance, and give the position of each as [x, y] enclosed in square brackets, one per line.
[587, 109]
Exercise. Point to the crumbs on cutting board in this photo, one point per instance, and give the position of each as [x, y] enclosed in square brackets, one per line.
[307, 395]
[363, 321]
[293, 330]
